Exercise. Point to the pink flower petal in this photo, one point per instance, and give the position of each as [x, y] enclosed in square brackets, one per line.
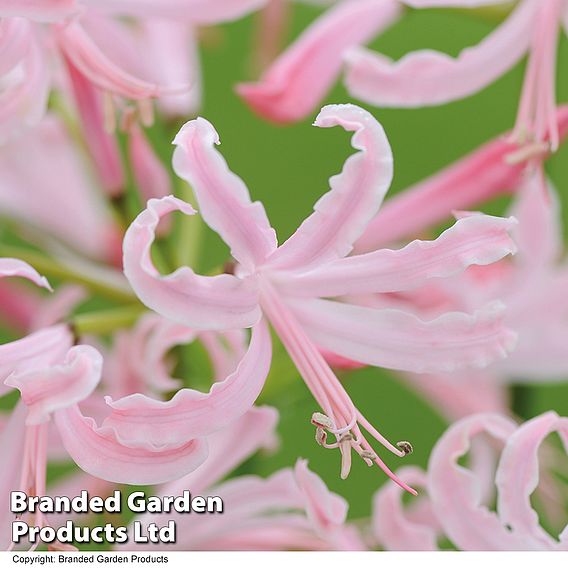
[47, 390]
[223, 198]
[200, 302]
[459, 396]
[341, 215]
[396, 339]
[40, 10]
[228, 448]
[294, 85]
[12, 441]
[250, 502]
[17, 267]
[327, 511]
[539, 232]
[393, 525]
[98, 452]
[429, 77]
[173, 59]
[518, 476]
[456, 493]
[541, 351]
[23, 99]
[15, 35]
[474, 240]
[190, 413]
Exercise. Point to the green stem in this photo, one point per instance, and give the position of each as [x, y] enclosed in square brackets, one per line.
[189, 239]
[54, 269]
[106, 321]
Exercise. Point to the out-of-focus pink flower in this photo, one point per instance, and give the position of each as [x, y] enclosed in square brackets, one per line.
[286, 283]
[44, 183]
[295, 84]
[271, 26]
[528, 285]
[491, 170]
[429, 77]
[138, 361]
[173, 59]
[290, 510]
[455, 507]
[101, 52]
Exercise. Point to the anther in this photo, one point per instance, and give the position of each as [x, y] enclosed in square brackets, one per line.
[405, 447]
[368, 455]
[322, 421]
[229, 268]
[321, 436]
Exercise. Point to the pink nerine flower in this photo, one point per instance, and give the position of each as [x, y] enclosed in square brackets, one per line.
[429, 78]
[459, 498]
[288, 284]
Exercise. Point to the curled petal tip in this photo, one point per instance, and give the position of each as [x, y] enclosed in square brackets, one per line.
[344, 114]
[191, 128]
[15, 267]
[170, 200]
[49, 389]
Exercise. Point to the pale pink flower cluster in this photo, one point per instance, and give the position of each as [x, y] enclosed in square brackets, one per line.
[459, 317]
